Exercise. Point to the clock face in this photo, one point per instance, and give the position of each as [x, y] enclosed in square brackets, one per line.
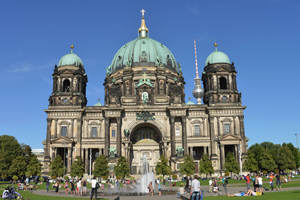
[224, 98]
[65, 100]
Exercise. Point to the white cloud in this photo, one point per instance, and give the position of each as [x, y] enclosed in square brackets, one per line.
[26, 67]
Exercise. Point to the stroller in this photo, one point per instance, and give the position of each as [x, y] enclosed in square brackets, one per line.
[10, 193]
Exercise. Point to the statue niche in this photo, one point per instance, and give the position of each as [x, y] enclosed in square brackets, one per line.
[176, 93]
[145, 91]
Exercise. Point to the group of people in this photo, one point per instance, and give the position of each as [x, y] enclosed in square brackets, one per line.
[77, 188]
[258, 182]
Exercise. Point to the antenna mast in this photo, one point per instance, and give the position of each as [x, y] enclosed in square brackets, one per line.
[196, 59]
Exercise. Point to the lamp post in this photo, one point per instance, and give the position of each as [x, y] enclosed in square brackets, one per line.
[64, 142]
[240, 158]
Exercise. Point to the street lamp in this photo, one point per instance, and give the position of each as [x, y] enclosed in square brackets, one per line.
[64, 142]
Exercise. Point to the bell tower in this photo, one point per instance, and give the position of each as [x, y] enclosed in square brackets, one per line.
[219, 80]
[69, 82]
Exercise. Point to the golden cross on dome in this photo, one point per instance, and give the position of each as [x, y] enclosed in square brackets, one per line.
[143, 12]
[144, 75]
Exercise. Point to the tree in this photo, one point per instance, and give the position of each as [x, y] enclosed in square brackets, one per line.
[34, 167]
[26, 150]
[267, 162]
[231, 164]
[206, 166]
[18, 167]
[9, 150]
[101, 167]
[250, 163]
[188, 167]
[295, 153]
[257, 151]
[162, 166]
[57, 167]
[77, 168]
[122, 167]
[285, 159]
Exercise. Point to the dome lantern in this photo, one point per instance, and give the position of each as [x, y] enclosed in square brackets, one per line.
[217, 57]
[70, 59]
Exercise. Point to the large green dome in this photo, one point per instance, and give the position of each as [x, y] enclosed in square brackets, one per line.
[70, 59]
[217, 57]
[143, 51]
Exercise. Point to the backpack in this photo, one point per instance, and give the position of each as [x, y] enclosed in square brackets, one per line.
[97, 185]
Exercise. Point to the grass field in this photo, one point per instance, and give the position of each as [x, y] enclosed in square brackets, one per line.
[267, 185]
[288, 195]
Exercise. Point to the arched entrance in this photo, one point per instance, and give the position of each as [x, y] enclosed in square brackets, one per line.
[145, 140]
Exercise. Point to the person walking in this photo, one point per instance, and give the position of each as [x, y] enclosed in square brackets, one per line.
[67, 186]
[159, 188]
[248, 182]
[79, 188]
[47, 185]
[195, 188]
[260, 184]
[210, 184]
[94, 188]
[278, 181]
[150, 187]
[84, 187]
[57, 187]
[271, 180]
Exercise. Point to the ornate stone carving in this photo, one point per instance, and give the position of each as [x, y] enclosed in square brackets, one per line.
[179, 150]
[126, 132]
[145, 115]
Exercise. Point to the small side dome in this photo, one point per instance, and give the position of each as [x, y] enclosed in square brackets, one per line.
[98, 104]
[70, 59]
[217, 57]
[189, 103]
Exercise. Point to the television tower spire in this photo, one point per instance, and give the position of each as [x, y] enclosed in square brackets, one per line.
[198, 91]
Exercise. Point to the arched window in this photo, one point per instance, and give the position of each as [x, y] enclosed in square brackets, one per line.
[223, 83]
[66, 85]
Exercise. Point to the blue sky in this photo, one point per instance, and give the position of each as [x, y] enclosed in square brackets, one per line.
[260, 37]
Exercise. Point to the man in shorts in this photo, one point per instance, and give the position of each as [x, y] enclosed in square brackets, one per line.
[248, 182]
[271, 181]
[72, 187]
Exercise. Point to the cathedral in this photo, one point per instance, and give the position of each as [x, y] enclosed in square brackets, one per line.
[145, 112]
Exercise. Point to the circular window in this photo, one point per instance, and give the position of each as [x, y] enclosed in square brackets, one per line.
[119, 57]
[224, 98]
[144, 53]
[65, 100]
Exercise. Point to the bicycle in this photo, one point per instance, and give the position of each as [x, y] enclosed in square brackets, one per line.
[217, 191]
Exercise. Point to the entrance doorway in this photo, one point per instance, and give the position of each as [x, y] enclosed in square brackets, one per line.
[145, 141]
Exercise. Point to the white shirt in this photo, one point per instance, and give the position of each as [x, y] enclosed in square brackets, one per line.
[259, 181]
[157, 181]
[79, 184]
[210, 182]
[196, 185]
[93, 182]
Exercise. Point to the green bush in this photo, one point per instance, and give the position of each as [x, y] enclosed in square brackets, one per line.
[276, 171]
[119, 177]
[53, 177]
[66, 177]
[131, 178]
[15, 177]
[265, 172]
[161, 178]
[41, 179]
[3, 176]
[104, 177]
[174, 176]
[226, 173]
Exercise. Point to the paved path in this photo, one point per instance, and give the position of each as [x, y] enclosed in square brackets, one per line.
[231, 190]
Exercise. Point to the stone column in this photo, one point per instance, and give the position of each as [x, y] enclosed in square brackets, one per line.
[48, 138]
[55, 128]
[119, 135]
[208, 152]
[86, 162]
[173, 152]
[191, 152]
[205, 150]
[219, 126]
[244, 146]
[222, 157]
[78, 145]
[107, 137]
[69, 160]
[53, 153]
[213, 137]
[236, 153]
[72, 128]
[184, 135]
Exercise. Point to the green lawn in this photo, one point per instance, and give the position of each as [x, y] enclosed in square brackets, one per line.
[288, 195]
[32, 196]
[283, 185]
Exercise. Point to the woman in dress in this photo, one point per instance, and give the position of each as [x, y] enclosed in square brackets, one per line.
[67, 186]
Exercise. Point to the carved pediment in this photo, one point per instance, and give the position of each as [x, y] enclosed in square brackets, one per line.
[222, 69]
[61, 139]
[230, 137]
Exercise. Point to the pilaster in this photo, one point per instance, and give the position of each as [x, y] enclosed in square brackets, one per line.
[107, 137]
[119, 135]
[69, 160]
[184, 135]
[173, 152]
